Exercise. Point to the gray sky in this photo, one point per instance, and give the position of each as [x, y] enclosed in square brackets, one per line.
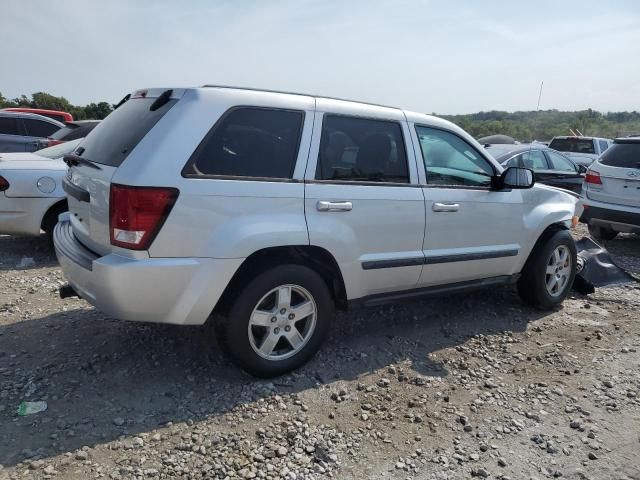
[428, 56]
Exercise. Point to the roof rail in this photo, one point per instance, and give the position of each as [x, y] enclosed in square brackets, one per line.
[298, 93]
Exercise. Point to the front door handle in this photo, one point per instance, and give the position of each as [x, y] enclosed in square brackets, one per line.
[326, 206]
[445, 207]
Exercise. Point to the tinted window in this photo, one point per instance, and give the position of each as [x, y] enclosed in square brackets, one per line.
[603, 145]
[63, 132]
[72, 132]
[9, 126]
[558, 162]
[625, 155]
[38, 128]
[533, 159]
[449, 160]
[118, 134]
[575, 145]
[250, 142]
[359, 149]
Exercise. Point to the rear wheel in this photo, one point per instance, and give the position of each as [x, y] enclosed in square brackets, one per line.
[549, 272]
[602, 233]
[277, 322]
[51, 219]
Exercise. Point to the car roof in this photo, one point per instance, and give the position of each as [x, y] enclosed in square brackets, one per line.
[633, 139]
[80, 123]
[506, 150]
[578, 137]
[35, 116]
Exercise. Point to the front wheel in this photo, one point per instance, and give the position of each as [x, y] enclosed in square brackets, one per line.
[549, 272]
[278, 321]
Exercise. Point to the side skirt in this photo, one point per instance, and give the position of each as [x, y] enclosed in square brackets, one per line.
[419, 293]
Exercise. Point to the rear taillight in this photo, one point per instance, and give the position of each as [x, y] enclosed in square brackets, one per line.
[136, 214]
[51, 143]
[593, 177]
[4, 184]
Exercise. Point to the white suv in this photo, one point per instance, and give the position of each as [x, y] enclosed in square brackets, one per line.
[266, 211]
[611, 191]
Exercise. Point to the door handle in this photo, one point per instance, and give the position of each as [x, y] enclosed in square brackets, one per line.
[325, 206]
[445, 207]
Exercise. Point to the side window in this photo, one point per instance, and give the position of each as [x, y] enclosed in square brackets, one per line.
[9, 126]
[359, 149]
[449, 160]
[250, 142]
[514, 162]
[38, 128]
[534, 160]
[603, 145]
[558, 162]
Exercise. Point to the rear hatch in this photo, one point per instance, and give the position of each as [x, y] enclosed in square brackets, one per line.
[615, 178]
[95, 161]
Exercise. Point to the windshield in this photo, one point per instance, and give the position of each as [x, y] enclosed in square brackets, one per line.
[573, 145]
[59, 150]
[498, 151]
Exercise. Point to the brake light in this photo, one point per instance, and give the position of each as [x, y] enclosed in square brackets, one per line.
[593, 177]
[51, 143]
[4, 184]
[136, 214]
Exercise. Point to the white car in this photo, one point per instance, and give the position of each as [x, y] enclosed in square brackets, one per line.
[31, 194]
[266, 211]
[611, 191]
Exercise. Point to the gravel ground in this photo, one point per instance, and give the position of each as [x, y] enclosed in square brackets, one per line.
[449, 388]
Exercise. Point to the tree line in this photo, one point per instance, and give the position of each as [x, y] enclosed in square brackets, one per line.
[523, 126]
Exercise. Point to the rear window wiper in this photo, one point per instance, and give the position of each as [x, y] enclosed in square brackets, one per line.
[161, 100]
[124, 99]
[74, 160]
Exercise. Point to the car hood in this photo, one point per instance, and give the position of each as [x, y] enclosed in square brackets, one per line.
[40, 163]
[5, 157]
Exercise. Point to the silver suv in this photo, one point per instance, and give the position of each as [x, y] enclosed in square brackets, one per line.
[264, 212]
[611, 191]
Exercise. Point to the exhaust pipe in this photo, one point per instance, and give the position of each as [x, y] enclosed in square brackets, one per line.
[67, 291]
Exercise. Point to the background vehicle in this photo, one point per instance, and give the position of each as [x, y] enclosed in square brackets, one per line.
[54, 114]
[25, 132]
[31, 194]
[72, 131]
[550, 167]
[267, 211]
[612, 191]
[581, 150]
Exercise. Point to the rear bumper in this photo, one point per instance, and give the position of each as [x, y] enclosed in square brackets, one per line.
[180, 291]
[618, 218]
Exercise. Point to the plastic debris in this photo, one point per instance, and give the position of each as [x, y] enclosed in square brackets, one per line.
[596, 268]
[29, 408]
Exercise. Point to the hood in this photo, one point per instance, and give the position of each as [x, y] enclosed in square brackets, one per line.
[39, 163]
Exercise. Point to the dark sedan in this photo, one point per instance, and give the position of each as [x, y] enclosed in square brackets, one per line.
[550, 166]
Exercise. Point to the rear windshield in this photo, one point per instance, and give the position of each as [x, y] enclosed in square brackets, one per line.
[118, 134]
[625, 155]
[574, 145]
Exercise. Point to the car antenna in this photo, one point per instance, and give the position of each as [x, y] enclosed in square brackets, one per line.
[537, 110]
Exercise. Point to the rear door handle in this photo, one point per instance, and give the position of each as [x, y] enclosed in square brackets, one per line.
[445, 207]
[326, 206]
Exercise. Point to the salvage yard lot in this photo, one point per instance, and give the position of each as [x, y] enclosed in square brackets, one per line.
[445, 388]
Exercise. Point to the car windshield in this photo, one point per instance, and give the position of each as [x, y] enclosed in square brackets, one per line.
[59, 150]
[499, 150]
[573, 145]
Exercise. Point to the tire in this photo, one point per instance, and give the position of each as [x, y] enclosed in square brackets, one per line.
[51, 220]
[256, 322]
[533, 285]
[602, 233]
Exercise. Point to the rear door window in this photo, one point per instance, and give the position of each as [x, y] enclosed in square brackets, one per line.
[38, 128]
[9, 126]
[558, 162]
[250, 142]
[117, 135]
[361, 150]
[625, 155]
[603, 145]
[534, 160]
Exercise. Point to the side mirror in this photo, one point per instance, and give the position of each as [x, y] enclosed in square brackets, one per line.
[582, 169]
[515, 177]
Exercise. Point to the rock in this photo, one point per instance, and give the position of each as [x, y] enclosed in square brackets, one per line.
[118, 421]
[608, 383]
[480, 472]
[502, 462]
[282, 451]
[49, 470]
[82, 455]
[592, 456]
[400, 465]
[384, 382]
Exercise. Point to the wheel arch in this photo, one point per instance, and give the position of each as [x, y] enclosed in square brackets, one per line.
[317, 258]
[55, 209]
